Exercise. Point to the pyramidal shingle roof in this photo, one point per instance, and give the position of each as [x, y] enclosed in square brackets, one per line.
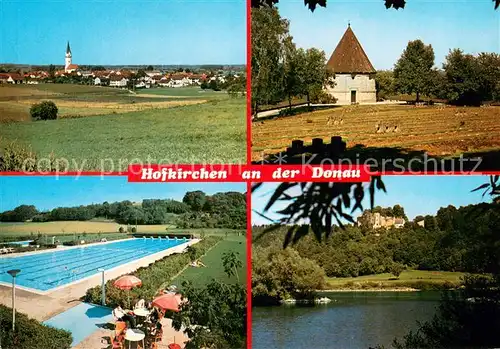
[349, 56]
[68, 49]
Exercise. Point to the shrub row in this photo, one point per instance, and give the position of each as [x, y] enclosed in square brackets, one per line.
[30, 333]
[153, 277]
[419, 285]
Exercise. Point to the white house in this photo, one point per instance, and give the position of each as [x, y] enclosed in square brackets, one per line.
[118, 81]
[354, 73]
[97, 81]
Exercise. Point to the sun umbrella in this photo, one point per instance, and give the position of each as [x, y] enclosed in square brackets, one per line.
[174, 346]
[127, 282]
[169, 301]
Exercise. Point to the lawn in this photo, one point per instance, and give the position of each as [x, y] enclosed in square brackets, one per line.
[408, 278]
[211, 132]
[213, 261]
[438, 130]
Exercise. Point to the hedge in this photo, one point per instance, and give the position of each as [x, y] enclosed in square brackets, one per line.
[153, 277]
[30, 334]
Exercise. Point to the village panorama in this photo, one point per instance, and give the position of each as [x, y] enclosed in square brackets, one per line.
[190, 113]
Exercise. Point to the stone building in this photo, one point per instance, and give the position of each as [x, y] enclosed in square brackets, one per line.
[354, 73]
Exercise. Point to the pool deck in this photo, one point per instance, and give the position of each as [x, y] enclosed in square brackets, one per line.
[44, 305]
[99, 339]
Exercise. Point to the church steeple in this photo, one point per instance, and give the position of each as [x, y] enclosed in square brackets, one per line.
[67, 58]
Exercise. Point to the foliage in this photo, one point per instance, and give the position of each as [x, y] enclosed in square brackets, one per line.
[231, 262]
[320, 203]
[311, 4]
[413, 72]
[152, 277]
[279, 274]
[384, 83]
[472, 79]
[279, 70]
[30, 333]
[46, 110]
[467, 318]
[21, 213]
[214, 316]
[461, 239]
[221, 210]
[15, 157]
[195, 200]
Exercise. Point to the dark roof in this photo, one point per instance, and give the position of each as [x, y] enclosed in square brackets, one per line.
[349, 56]
[68, 49]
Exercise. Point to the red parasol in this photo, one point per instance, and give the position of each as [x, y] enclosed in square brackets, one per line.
[174, 346]
[169, 301]
[127, 282]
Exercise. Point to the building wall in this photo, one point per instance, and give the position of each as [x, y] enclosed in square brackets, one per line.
[362, 83]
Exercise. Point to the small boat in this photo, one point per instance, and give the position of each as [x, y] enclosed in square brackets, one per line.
[323, 300]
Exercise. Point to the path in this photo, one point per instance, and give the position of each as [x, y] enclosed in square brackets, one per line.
[274, 112]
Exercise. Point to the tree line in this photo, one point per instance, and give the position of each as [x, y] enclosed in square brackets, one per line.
[465, 79]
[455, 239]
[281, 71]
[221, 210]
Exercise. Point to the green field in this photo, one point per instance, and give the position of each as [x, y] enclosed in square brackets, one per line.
[14, 230]
[213, 261]
[408, 278]
[155, 130]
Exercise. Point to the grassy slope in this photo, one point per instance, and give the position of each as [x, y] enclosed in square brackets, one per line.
[213, 132]
[388, 280]
[214, 269]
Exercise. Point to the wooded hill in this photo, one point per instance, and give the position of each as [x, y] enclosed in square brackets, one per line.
[197, 210]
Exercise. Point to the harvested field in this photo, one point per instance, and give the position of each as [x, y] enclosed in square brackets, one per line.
[437, 130]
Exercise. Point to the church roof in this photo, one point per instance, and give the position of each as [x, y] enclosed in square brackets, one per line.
[349, 56]
[68, 49]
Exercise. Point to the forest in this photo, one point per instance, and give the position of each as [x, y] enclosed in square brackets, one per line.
[196, 210]
[454, 239]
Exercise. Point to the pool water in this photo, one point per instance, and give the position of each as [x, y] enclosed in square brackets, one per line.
[48, 270]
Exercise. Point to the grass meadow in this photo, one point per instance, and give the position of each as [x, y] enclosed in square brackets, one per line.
[105, 129]
[408, 278]
[438, 130]
[213, 261]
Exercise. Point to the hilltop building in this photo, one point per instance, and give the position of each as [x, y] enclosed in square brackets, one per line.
[376, 220]
[354, 73]
[69, 67]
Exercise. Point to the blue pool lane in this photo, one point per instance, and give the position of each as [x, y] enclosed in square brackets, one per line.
[48, 270]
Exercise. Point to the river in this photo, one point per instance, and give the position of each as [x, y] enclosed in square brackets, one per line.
[352, 320]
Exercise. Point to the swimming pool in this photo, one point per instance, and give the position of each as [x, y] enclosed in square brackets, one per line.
[48, 270]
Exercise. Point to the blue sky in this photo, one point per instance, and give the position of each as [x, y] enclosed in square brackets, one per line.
[472, 25]
[47, 192]
[123, 31]
[419, 195]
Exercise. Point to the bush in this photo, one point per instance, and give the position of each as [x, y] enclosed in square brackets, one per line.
[134, 230]
[46, 110]
[152, 277]
[121, 230]
[15, 157]
[70, 243]
[30, 333]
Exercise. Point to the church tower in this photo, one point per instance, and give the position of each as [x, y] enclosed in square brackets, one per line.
[67, 60]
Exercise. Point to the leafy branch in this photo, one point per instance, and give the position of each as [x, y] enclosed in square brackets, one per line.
[320, 204]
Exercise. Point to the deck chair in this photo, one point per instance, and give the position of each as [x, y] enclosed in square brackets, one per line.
[120, 327]
[115, 343]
